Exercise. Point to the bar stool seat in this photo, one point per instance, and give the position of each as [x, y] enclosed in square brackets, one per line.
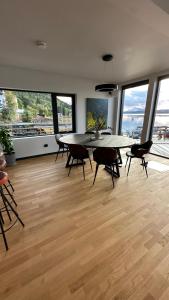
[7, 208]
[3, 178]
[2, 164]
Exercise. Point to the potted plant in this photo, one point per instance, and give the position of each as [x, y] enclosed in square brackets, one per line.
[96, 122]
[7, 146]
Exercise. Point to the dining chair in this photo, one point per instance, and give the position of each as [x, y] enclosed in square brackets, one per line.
[62, 147]
[107, 157]
[139, 151]
[79, 152]
[106, 133]
[89, 132]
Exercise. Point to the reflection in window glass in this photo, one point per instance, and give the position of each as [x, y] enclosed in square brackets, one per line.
[134, 103]
[64, 110]
[26, 113]
[161, 123]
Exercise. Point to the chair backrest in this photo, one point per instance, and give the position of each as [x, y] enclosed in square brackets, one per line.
[105, 156]
[106, 133]
[145, 146]
[78, 151]
[57, 137]
[89, 132]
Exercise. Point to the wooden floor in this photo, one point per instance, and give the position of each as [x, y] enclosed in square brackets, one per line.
[161, 149]
[87, 242]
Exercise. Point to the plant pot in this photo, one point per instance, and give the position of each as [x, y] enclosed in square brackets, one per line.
[10, 159]
[97, 135]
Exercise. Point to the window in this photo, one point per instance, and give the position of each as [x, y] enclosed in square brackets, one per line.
[132, 109]
[160, 130]
[27, 113]
[64, 113]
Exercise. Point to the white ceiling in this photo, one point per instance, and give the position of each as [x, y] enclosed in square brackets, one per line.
[78, 32]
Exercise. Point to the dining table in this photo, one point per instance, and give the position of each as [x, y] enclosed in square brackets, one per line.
[104, 141]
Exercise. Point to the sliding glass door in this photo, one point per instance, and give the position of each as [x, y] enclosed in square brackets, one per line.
[160, 129]
[132, 109]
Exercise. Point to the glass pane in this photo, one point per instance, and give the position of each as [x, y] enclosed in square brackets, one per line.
[161, 124]
[134, 100]
[26, 113]
[64, 109]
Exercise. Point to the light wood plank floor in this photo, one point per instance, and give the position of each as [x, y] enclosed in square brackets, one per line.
[87, 242]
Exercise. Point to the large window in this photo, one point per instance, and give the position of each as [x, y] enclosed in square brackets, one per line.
[160, 131]
[132, 109]
[27, 113]
[65, 113]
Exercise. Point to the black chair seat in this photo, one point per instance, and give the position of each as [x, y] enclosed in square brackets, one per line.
[79, 152]
[107, 157]
[62, 147]
[139, 151]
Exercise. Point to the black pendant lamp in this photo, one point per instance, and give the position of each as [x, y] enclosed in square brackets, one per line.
[106, 87]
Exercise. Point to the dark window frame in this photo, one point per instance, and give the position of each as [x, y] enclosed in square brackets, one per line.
[155, 105]
[54, 107]
[123, 88]
[55, 112]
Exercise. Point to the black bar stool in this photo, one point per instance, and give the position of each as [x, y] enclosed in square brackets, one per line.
[6, 208]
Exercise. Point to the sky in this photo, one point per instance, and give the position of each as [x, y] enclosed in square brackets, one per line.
[135, 98]
[65, 99]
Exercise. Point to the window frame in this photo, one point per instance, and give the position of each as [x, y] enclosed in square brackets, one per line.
[55, 112]
[155, 105]
[54, 108]
[123, 88]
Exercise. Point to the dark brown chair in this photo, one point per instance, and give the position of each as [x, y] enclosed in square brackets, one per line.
[79, 152]
[139, 151]
[62, 147]
[106, 133]
[105, 156]
[89, 132]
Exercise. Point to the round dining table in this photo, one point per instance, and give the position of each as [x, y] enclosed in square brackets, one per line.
[105, 141]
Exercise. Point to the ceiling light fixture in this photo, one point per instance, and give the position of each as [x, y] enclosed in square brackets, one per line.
[106, 87]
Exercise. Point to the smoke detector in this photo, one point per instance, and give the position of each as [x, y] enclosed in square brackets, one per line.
[41, 44]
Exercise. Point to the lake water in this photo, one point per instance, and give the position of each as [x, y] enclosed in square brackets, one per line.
[130, 122]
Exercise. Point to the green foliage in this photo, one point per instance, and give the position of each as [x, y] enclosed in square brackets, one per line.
[95, 122]
[6, 141]
[32, 104]
[9, 112]
[64, 108]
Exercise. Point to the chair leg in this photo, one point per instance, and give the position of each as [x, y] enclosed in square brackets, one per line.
[70, 167]
[57, 154]
[12, 209]
[97, 166]
[11, 185]
[129, 166]
[63, 149]
[145, 166]
[90, 163]
[142, 162]
[112, 175]
[3, 233]
[83, 169]
[1, 218]
[6, 207]
[10, 195]
[126, 161]
[119, 157]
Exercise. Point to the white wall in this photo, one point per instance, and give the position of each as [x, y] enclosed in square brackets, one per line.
[19, 78]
